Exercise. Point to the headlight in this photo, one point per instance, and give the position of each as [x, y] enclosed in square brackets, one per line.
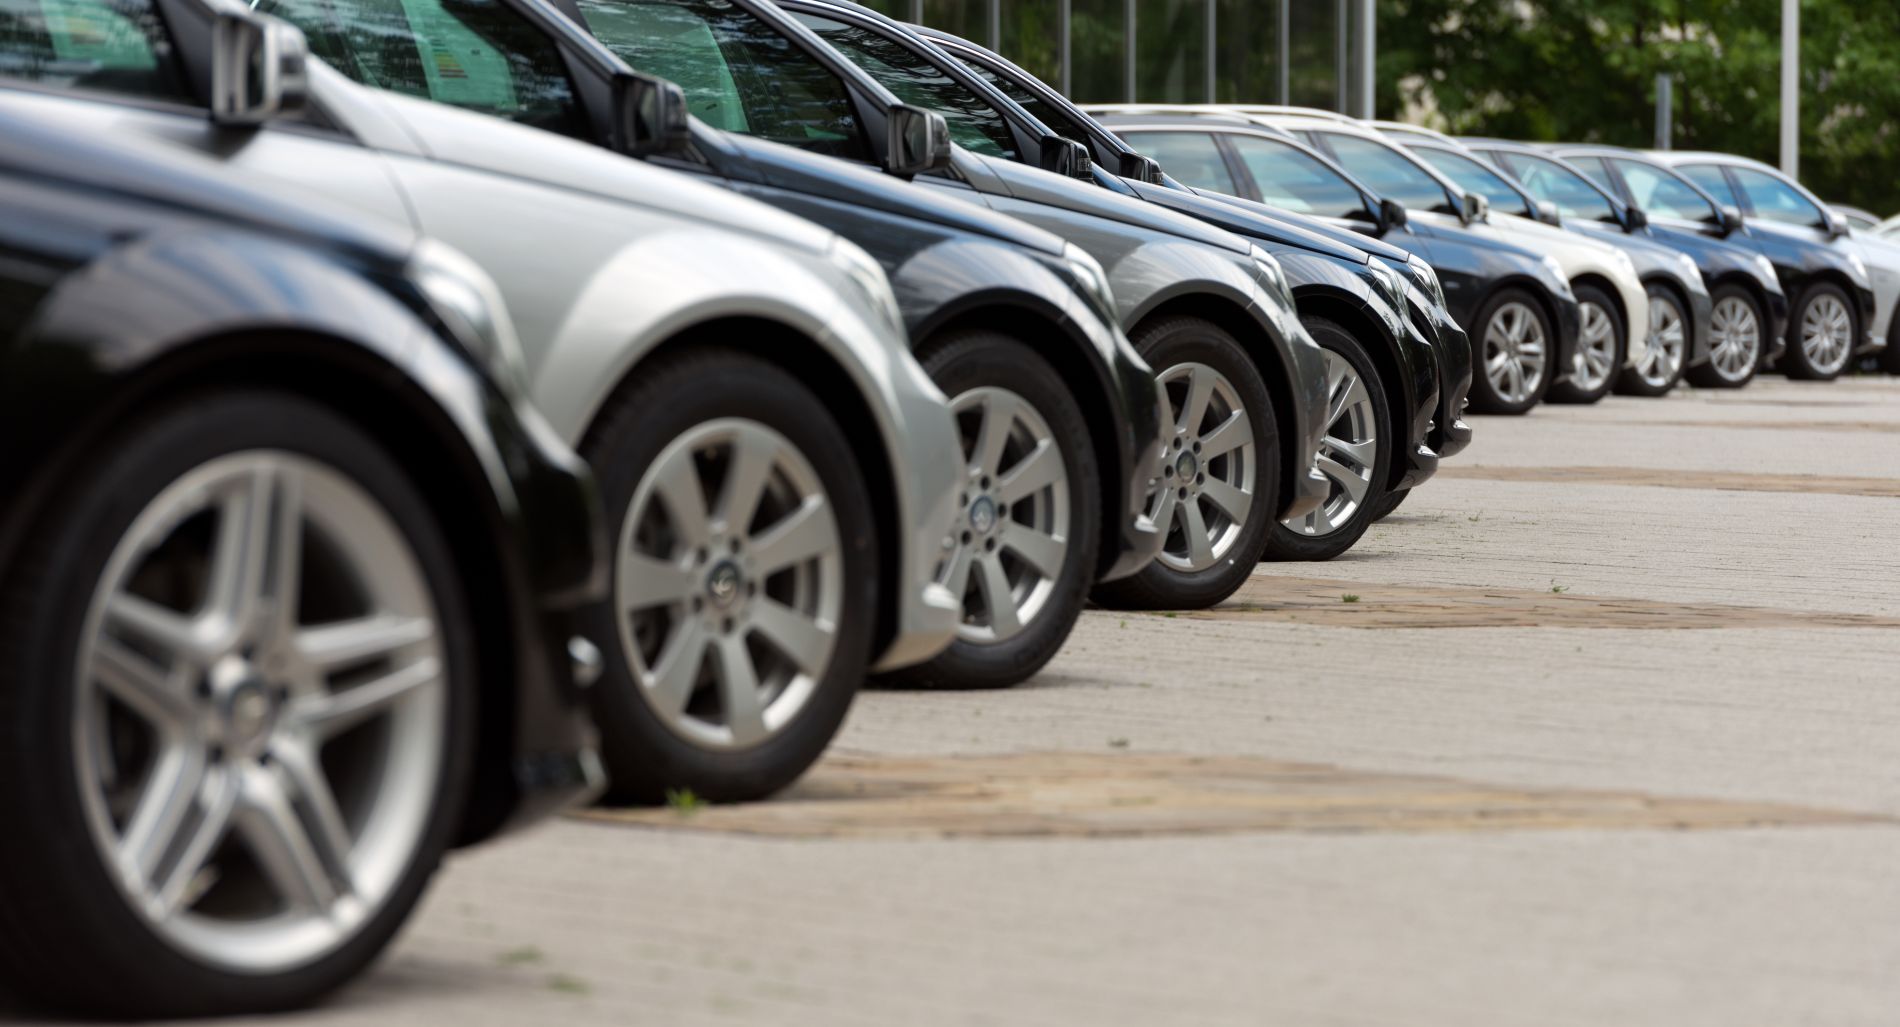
[1859, 265]
[1765, 267]
[1556, 270]
[864, 272]
[1394, 288]
[1092, 281]
[467, 300]
[1624, 262]
[1273, 277]
[1427, 280]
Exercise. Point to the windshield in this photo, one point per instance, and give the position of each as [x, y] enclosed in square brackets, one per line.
[1389, 173]
[1474, 177]
[1546, 179]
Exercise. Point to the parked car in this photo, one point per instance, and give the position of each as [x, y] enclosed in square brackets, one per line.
[288, 577]
[1858, 219]
[1679, 304]
[1830, 328]
[1518, 304]
[1059, 417]
[1747, 308]
[1208, 310]
[1806, 268]
[1380, 369]
[779, 473]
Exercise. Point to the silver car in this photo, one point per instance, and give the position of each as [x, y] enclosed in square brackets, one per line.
[779, 473]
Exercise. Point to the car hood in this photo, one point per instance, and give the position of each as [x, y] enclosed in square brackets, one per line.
[1038, 186]
[1254, 222]
[788, 167]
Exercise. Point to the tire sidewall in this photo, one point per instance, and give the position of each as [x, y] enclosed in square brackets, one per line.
[1283, 542]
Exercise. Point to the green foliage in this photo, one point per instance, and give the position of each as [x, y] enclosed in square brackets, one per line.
[1564, 70]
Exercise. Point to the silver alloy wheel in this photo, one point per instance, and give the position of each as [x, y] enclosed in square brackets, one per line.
[728, 613]
[1663, 354]
[1515, 352]
[1595, 361]
[1734, 338]
[261, 711]
[1012, 530]
[1827, 334]
[1348, 452]
[1206, 489]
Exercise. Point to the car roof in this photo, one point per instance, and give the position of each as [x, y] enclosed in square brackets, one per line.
[1204, 122]
[1405, 128]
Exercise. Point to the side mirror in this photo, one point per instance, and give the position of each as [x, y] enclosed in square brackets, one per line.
[1634, 220]
[1728, 221]
[257, 68]
[650, 116]
[1547, 213]
[1391, 215]
[1837, 226]
[1066, 157]
[919, 141]
[1475, 208]
[1141, 168]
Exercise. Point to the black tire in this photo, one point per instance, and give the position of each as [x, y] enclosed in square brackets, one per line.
[1708, 376]
[1165, 344]
[646, 758]
[1794, 360]
[1391, 503]
[1628, 382]
[1890, 357]
[1484, 397]
[67, 936]
[978, 359]
[1285, 543]
[1568, 391]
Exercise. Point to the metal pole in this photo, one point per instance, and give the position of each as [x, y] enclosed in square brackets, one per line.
[916, 12]
[1128, 41]
[996, 25]
[1665, 129]
[1284, 56]
[1213, 37]
[1368, 49]
[1791, 88]
[1062, 44]
[1342, 81]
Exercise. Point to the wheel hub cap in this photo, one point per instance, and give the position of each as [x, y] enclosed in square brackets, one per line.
[983, 515]
[723, 584]
[1186, 467]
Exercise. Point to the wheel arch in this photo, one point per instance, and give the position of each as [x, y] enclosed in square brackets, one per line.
[1352, 318]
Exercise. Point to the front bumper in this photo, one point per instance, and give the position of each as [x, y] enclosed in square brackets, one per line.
[1870, 317]
[1135, 540]
[1421, 460]
[927, 468]
[1450, 433]
[1701, 312]
[1779, 314]
[1569, 326]
[1306, 365]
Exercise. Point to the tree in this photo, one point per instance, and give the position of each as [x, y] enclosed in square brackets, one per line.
[1559, 69]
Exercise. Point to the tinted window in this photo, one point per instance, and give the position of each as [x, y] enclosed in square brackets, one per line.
[1860, 221]
[115, 45]
[1712, 181]
[1389, 173]
[1192, 157]
[738, 72]
[1659, 192]
[1771, 198]
[1293, 180]
[477, 54]
[1058, 120]
[1596, 169]
[1546, 179]
[1474, 177]
[974, 124]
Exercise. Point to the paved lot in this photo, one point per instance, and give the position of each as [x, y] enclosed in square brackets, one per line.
[1520, 780]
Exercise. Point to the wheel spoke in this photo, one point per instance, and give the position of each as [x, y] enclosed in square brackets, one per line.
[314, 802]
[332, 714]
[1040, 551]
[647, 582]
[753, 454]
[1200, 547]
[1035, 472]
[1347, 477]
[677, 483]
[801, 638]
[240, 555]
[217, 798]
[802, 535]
[134, 681]
[1232, 500]
[999, 416]
[1166, 507]
[345, 644]
[268, 823]
[739, 691]
[1514, 373]
[171, 792]
[1362, 454]
[670, 682]
[1232, 433]
[1200, 391]
[994, 584]
[156, 625]
[1345, 399]
[956, 576]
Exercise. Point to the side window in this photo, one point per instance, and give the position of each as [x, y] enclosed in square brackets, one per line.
[974, 124]
[1474, 177]
[118, 46]
[1598, 171]
[1389, 173]
[1658, 192]
[1548, 180]
[1713, 182]
[1771, 198]
[1293, 180]
[1192, 157]
[1058, 121]
[738, 72]
[476, 54]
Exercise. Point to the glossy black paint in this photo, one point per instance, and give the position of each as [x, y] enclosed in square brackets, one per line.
[131, 278]
[954, 264]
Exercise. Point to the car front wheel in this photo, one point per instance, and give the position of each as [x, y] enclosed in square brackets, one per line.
[1821, 335]
[1665, 351]
[1736, 335]
[1355, 453]
[1514, 346]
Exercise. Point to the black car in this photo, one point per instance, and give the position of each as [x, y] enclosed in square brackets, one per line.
[1242, 379]
[1749, 312]
[286, 573]
[1355, 308]
[1668, 196]
[1137, 172]
[1486, 281]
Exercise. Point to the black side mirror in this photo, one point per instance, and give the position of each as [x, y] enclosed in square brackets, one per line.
[1141, 168]
[919, 141]
[650, 116]
[1474, 208]
[1391, 215]
[1634, 220]
[1066, 157]
[1728, 221]
[258, 68]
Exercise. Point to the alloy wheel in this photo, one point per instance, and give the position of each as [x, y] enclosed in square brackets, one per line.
[1515, 352]
[729, 584]
[260, 715]
[1348, 452]
[1661, 362]
[1595, 361]
[1011, 536]
[1734, 338]
[1827, 331]
[1206, 489]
